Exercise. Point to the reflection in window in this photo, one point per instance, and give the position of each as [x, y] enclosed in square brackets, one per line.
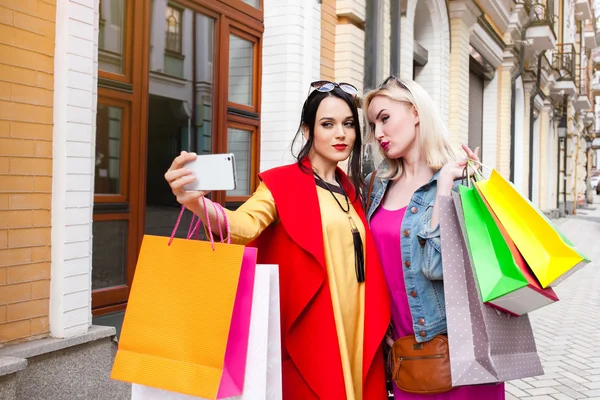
[109, 254]
[173, 30]
[109, 139]
[205, 54]
[111, 36]
[241, 63]
[239, 142]
[180, 111]
[253, 3]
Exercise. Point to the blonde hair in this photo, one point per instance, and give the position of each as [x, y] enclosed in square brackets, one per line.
[433, 136]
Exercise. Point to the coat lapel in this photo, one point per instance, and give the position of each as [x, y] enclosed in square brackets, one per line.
[298, 208]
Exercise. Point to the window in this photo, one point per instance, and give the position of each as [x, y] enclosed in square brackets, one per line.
[240, 143]
[243, 112]
[111, 36]
[253, 3]
[111, 145]
[173, 30]
[241, 70]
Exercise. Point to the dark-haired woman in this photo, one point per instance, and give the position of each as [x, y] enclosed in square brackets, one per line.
[307, 218]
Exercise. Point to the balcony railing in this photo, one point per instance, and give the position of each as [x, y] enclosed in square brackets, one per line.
[584, 82]
[564, 61]
[540, 13]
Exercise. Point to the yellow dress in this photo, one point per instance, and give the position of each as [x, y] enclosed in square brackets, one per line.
[347, 294]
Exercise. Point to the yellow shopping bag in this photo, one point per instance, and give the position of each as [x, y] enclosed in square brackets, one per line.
[550, 255]
[187, 320]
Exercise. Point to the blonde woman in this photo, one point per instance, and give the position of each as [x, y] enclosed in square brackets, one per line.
[418, 166]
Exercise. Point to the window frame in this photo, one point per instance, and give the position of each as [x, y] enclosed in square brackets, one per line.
[233, 30]
[132, 87]
[112, 295]
[123, 195]
[254, 157]
[237, 115]
[126, 76]
[247, 9]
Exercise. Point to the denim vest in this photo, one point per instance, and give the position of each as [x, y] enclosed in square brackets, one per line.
[421, 256]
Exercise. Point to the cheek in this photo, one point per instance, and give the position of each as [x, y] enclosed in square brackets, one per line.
[321, 137]
[398, 130]
[351, 135]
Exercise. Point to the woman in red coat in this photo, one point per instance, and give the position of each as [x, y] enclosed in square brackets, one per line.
[307, 218]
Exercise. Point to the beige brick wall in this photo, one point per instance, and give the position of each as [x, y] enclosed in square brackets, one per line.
[27, 30]
[458, 124]
[525, 188]
[546, 164]
[504, 120]
[328, 23]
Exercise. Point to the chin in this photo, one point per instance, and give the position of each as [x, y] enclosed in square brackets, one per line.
[339, 157]
[393, 155]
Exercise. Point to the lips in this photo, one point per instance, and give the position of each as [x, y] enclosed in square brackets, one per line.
[340, 147]
[385, 145]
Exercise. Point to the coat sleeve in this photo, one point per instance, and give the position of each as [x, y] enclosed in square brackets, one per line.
[253, 217]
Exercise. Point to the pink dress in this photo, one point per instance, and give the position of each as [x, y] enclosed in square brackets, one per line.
[385, 226]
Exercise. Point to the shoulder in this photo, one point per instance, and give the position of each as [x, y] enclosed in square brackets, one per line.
[282, 172]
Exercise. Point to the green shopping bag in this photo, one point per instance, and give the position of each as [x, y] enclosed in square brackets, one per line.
[496, 272]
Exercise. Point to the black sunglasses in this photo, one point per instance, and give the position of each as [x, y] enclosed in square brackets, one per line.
[327, 86]
[396, 81]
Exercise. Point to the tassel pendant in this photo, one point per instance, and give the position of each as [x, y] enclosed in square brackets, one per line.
[359, 258]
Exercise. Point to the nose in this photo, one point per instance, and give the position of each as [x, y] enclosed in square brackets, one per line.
[378, 132]
[340, 133]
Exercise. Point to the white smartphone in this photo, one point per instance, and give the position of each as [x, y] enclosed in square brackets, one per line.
[212, 172]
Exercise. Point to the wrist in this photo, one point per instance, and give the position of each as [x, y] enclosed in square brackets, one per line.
[444, 186]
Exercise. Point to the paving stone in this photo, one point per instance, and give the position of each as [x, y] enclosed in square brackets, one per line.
[542, 391]
[567, 332]
[515, 391]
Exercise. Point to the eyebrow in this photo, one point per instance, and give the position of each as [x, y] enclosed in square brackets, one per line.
[379, 114]
[333, 119]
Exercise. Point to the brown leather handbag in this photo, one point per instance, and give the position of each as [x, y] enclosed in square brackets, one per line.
[421, 367]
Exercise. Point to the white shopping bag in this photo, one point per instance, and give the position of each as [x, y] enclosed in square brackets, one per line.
[262, 378]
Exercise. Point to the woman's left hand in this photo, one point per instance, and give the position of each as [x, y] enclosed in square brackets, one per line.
[454, 170]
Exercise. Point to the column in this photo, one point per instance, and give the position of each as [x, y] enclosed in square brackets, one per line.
[547, 167]
[291, 60]
[463, 15]
[505, 116]
[528, 88]
[75, 100]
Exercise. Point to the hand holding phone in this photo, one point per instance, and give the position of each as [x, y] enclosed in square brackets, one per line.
[212, 172]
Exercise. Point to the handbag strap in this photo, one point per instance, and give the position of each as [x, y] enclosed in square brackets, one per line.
[370, 190]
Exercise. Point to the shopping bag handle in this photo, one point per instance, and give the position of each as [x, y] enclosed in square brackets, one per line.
[196, 228]
[218, 209]
[477, 175]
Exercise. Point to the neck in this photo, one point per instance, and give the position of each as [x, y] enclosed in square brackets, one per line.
[324, 168]
[414, 166]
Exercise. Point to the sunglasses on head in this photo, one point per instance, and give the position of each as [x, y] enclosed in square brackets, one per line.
[396, 81]
[327, 86]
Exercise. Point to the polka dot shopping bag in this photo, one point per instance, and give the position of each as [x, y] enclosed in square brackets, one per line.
[486, 345]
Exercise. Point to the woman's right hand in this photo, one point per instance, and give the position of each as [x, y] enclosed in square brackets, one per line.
[177, 176]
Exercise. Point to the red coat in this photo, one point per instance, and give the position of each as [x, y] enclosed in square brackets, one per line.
[312, 366]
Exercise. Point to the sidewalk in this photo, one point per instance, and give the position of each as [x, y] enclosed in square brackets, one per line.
[568, 332]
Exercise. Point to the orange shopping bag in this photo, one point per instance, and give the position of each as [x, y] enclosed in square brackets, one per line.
[187, 320]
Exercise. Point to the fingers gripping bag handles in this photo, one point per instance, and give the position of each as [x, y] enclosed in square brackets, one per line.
[187, 320]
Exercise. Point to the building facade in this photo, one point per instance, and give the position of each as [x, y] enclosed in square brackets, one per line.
[98, 96]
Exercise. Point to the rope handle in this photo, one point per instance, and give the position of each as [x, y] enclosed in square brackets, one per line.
[195, 229]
